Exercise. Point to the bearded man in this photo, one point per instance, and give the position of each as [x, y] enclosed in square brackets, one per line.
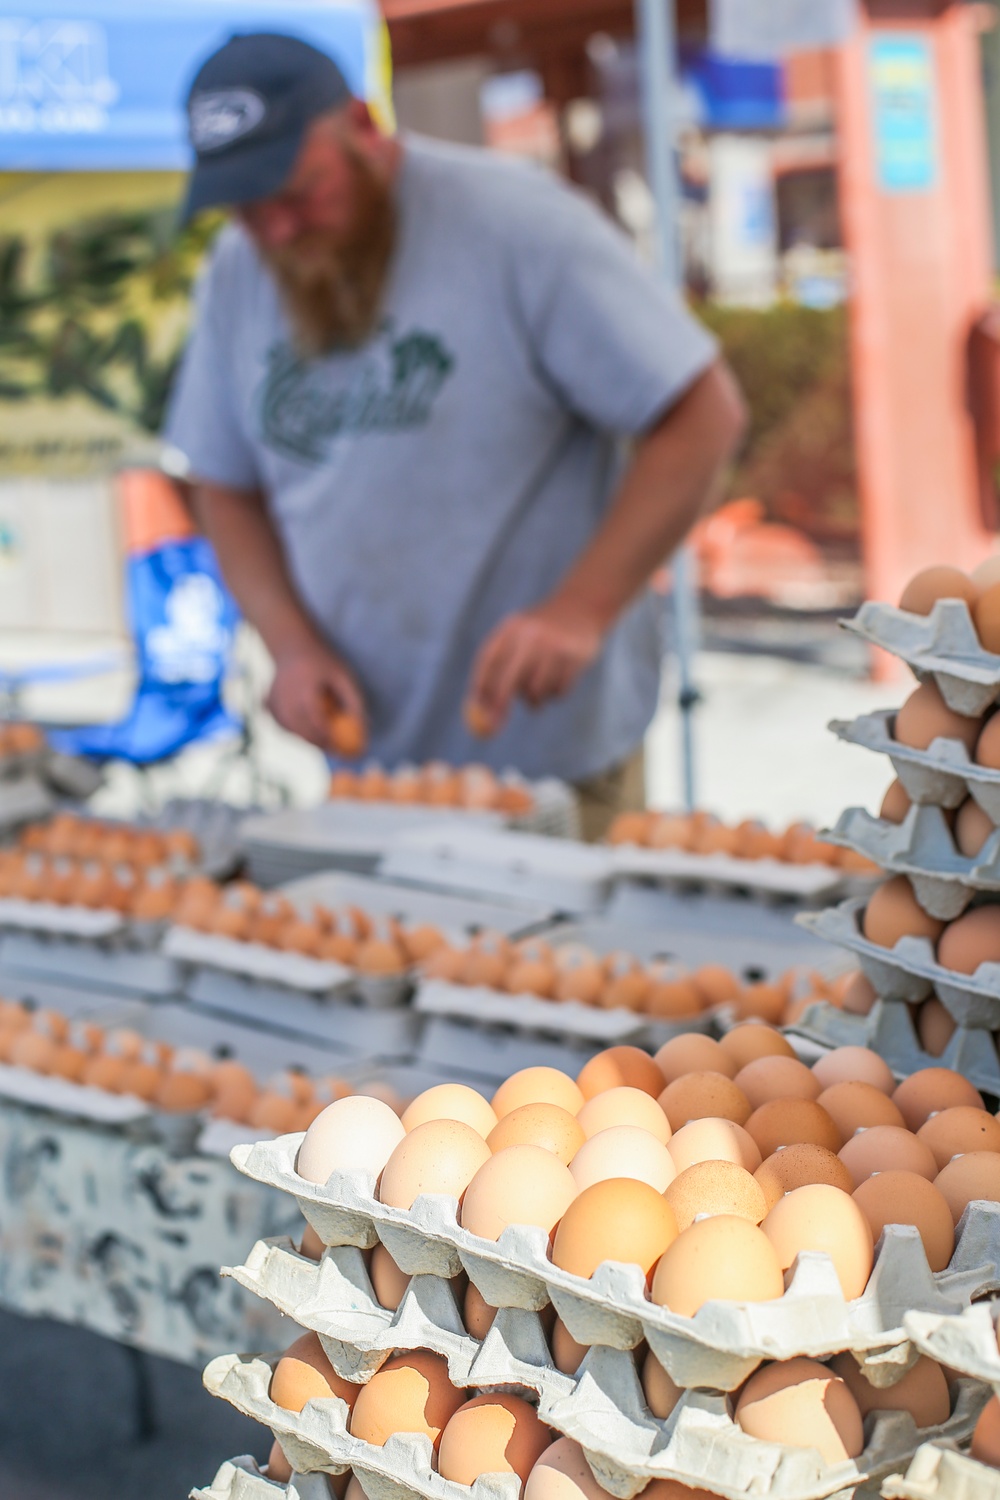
[442, 428]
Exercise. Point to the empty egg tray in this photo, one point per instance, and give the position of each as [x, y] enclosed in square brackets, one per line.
[719, 1347]
[922, 848]
[939, 1473]
[942, 647]
[943, 775]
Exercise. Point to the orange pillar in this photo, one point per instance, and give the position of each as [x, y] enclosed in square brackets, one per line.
[915, 205]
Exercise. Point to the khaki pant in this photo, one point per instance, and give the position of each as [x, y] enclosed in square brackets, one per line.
[601, 798]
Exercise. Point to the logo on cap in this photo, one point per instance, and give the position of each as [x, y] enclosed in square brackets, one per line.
[222, 116]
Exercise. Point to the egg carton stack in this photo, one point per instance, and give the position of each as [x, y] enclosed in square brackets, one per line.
[944, 802]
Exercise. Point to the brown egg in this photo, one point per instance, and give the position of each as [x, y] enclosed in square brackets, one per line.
[941, 582]
[823, 1218]
[410, 1393]
[311, 1246]
[986, 1435]
[986, 618]
[859, 996]
[886, 1148]
[69, 1062]
[692, 1053]
[234, 1090]
[421, 941]
[925, 717]
[486, 961]
[953, 1132]
[802, 1404]
[445, 963]
[380, 956]
[753, 1040]
[933, 1089]
[617, 1220]
[492, 1434]
[858, 1106]
[717, 984]
[793, 1167]
[183, 1090]
[623, 1106]
[623, 1151]
[700, 1096]
[537, 1086]
[627, 987]
[777, 1078]
[715, 1187]
[450, 1101]
[581, 980]
[907, 1198]
[105, 1072]
[896, 803]
[765, 1001]
[389, 1283]
[972, 829]
[922, 1391]
[713, 1140]
[143, 1076]
[854, 1065]
[628, 828]
[477, 1314]
[532, 976]
[987, 573]
[659, 1390]
[673, 999]
[971, 940]
[620, 1067]
[545, 1125]
[567, 1354]
[789, 1122]
[279, 1470]
[968, 1179]
[563, 1473]
[520, 1185]
[441, 1156]
[935, 1026]
[988, 745]
[894, 912]
[303, 1373]
[725, 1258]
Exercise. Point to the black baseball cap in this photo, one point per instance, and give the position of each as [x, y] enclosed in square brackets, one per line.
[248, 110]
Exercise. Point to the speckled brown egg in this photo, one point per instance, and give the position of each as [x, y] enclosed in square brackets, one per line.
[789, 1122]
[799, 1166]
[925, 717]
[933, 1089]
[886, 1148]
[894, 912]
[700, 1096]
[715, 1187]
[693, 1053]
[907, 1198]
[953, 1132]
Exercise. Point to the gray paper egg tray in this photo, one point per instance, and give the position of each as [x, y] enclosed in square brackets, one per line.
[24, 799]
[965, 1341]
[943, 775]
[700, 1444]
[922, 848]
[910, 970]
[718, 1347]
[241, 1479]
[939, 1473]
[764, 879]
[942, 646]
[110, 962]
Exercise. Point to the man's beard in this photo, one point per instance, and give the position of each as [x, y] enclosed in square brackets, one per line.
[332, 286]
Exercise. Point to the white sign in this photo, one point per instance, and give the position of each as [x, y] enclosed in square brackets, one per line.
[54, 76]
[765, 30]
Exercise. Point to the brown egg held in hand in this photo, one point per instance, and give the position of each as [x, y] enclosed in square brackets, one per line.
[854, 1065]
[521, 1185]
[907, 1198]
[715, 1187]
[450, 1101]
[442, 1156]
[624, 1106]
[823, 1219]
[700, 1096]
[492, 1434]
[969, 1179]
[925, 717]
[939, 582]
[753, 1040]
[723, 1258]
[971, 940]
[620, 1067]
[693, 1053]
[802, 1404]
[886, 1148]
[955, 1131]
[410, 1393]
[303, 1373]
[931, 1090]
[894, 913]
[538, 1085]
[922, 1391]
[546, 1125]
[777, 1078]
[623, 1151]
[615, 1220]
[713, 1140]
[801, 1166]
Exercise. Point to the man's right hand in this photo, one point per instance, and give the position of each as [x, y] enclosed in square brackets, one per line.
[310, 684]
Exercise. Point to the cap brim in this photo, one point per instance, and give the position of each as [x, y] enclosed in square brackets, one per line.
[242, 177]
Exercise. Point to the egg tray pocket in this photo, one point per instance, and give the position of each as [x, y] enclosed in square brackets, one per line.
[941, 647]
[241, 1479]
[765, 879]
[943, 775]
[921, 847]
[966, 1341]
[938, 1473]
[718, 1347]
[700, 1444]
[262, 964]
[910, 971]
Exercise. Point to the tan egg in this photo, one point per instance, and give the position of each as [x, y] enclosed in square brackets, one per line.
[715, 1187]
[941, 582]
[296, 936]
[925, 717]
[303, 1373]
[973, 1177]
[672, 999]
[628, 828]
[799, 1166]
[825, 1219]
[953, 1132]
[537, 1086]
[486, 961]
[988, 745]
[777, 1078]
[563, 1473]
[105, 1072]
[357, 1134]
[626, 989]
[623, 1106]
[922, 1391]
[623, 1151]
[545, 1125]
[716, 984]
[723, 1258]
[492, 1434]
[972, 829]
[713, 1140]
[693, 1053]
[410, 1393]
[790, 1122]
[311, 1246]
[907, 1198]
[69, 1062]
[886, 1148]
[971, 940]
[802, 1404]
[986, 1435]
[935, 1026]
[532, 976]
[380, 956]
[896, 803]
[445, 963]
[755, 841]
[715, 838]
[858, 1106]
[659, 1390]
[854, 1065]
[764, 1001]
[181, 1091]
[450, 1101]
[478, 1315]
[421, 941]
[894, 912]
[353, 1490]
[987, 573]
[567, 1354]
[933, 1089]
[234, 1090]
[521, 1185]
[859, 996]
[619, 1220]
[143, 1077]
[33, 1049]
[700, 1096]
[753, 1040]
[620, 1067]
[582, 981]
[442, 1156]
[671, 831]
[278, 1469]
[389, 1283]
[986, 618]
[801, 845]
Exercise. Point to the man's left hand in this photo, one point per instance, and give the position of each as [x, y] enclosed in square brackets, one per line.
[537, 655]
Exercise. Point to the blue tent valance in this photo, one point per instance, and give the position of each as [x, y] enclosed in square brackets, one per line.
[98, 86]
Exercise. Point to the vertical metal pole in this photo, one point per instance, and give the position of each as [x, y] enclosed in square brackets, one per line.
[657, 52]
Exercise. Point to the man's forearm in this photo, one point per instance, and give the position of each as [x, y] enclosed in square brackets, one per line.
[671, 481]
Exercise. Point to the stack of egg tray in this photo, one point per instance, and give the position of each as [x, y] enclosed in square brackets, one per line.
[600, 1406]
[941, 648]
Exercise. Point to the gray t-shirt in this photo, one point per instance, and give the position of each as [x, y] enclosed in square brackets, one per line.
[450, 471]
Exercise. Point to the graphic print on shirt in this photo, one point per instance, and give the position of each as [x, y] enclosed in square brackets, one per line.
[303, 410]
